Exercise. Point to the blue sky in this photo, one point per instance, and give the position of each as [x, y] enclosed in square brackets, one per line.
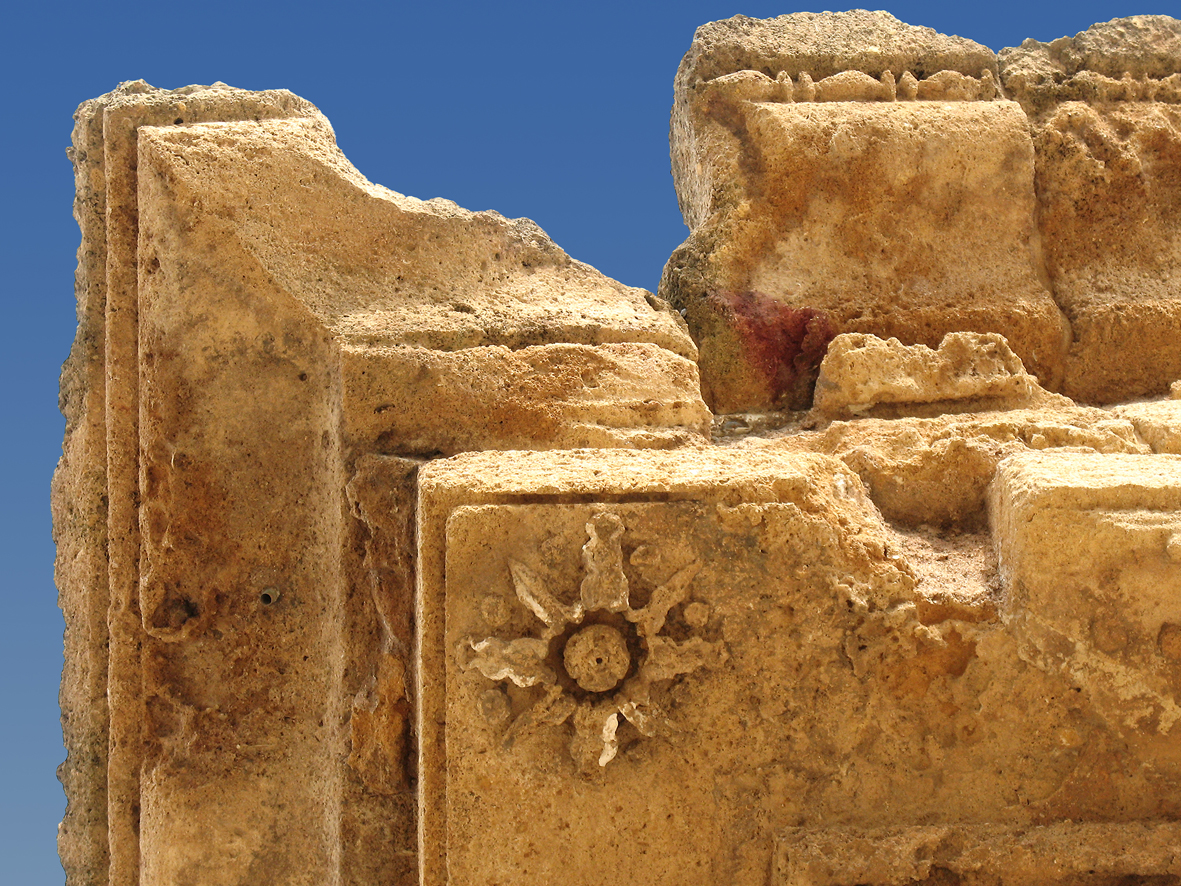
[555, 111]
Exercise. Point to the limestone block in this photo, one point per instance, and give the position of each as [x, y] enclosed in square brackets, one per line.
[255, 319]
[1158, 423]
[568, 396]
[1060, 853]
[935, 472]
[1090, 555]
[393, 549]
[970, 372]
[811, 216]
[690, 665]
[1132, 52]
[1105, 111]
[424, 301]
[825, 44]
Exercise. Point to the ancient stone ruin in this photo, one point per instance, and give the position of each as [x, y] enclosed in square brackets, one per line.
[398, 547]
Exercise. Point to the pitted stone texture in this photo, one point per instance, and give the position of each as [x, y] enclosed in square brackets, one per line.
[597, 658]
[456, 330]
[255, 318]
[824, 44]
[906, 219]
[969, 372]
[1158, 423]
[1109, 184]
[1060, 853]
[1105, 109]
[1086, 555]
[563, 395]
[935, 472]
[791, 660]
[1112, 60]
[811, 595]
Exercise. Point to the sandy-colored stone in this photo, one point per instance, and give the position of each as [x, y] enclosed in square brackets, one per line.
[1085, 544]
[1158, 424]
[969, 372]
[935, 472]
[1111, 61]
[828, 638]
[1105, 114]
[826, 44]
[394, 548]
[1061, 853]
[417, 297]
[256, 317]
[862, 210]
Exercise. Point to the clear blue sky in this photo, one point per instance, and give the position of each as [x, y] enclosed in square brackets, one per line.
[556, 111]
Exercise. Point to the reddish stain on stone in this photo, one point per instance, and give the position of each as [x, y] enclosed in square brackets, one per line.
[783, 344]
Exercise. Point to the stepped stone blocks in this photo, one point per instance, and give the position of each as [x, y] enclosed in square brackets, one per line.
[398, 547]
[255, 317]
[849, 173]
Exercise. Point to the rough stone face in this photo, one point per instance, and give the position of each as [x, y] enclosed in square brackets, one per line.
[877, 191]
[827, 44]
[1158, 424]
[1105, 114]
[1117, 60]
[935, 472]
[749, 586]
[397, 547]
[848, 173]
[969, 372]
[1090, 551]
[255, 318]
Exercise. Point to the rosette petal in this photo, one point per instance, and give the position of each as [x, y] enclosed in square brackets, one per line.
[604, 586]
[522, 661]
[532, 591]
[668, 658]
[553, 709]
[595, 743]
[650, 619]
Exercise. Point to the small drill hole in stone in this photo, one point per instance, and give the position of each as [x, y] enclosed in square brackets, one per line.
[269, 596]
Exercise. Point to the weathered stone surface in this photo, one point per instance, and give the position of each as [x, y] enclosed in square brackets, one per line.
[419, 297]
[255, 318]
[1105, 110]
[1112, 60]
[1090, 553]
[750, 586]
[935, 472]
[969, 372]
[617, 394]
[1157, 423]
[1065, 852]
[839, 207]
[393, 548]
[826, 44]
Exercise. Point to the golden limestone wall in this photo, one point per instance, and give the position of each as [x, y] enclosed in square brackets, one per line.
[397, 547]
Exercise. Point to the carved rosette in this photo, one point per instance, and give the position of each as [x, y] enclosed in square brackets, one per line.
[597, 659]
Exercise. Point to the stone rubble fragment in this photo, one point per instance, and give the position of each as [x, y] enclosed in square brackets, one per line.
[968, 372]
